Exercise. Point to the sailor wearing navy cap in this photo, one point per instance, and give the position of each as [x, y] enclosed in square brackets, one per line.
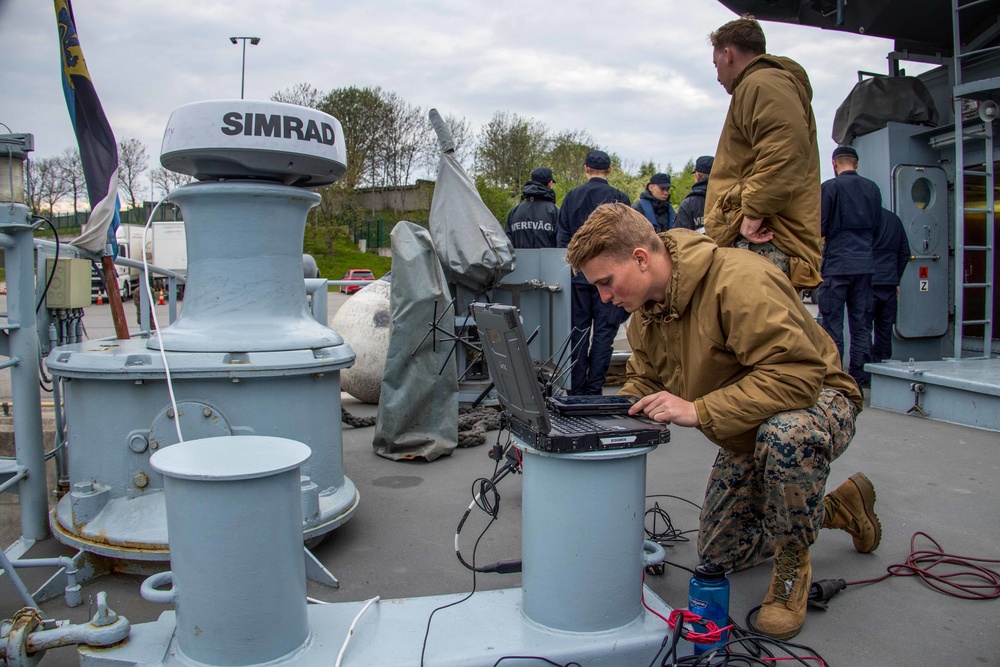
[691, 212]
[532, 223]
[595, 323]
[851, 213]
[654, 203]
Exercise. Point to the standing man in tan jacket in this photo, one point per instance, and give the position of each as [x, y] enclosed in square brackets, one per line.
[764, 194]
[745, 363]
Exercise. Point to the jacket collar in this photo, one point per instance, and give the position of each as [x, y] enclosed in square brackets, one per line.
[776, 62]
[691, 255]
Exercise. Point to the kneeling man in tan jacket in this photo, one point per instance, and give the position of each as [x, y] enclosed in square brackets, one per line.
[722, 343]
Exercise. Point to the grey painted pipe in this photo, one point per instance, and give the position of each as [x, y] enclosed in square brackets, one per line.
[21, 473]
[72, 591]
[19, 586]
[317, 289]
[19, 258]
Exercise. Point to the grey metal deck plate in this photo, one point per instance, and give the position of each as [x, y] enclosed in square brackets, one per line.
[963, 391]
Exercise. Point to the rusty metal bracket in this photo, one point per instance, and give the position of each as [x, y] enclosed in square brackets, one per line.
[917, 388]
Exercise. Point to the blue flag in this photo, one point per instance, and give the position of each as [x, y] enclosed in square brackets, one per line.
[98, 149]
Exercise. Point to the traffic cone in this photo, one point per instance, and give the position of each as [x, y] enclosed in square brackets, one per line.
[161, 301]
[100, 298]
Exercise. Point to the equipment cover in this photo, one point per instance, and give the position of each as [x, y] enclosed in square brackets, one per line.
[875, 102]
[418, 408]
[472, 246]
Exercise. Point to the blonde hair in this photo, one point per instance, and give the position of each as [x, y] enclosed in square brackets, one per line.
[614, 229]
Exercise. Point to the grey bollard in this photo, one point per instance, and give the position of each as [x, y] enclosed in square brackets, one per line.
[234, 517]
[583, 555]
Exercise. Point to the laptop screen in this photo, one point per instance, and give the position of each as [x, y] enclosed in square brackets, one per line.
[511, 367]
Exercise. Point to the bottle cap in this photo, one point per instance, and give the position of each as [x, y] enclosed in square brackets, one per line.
[710, 572]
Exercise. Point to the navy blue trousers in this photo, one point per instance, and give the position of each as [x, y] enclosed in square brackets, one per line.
[883, 318]
[855, 293]
[595, 325]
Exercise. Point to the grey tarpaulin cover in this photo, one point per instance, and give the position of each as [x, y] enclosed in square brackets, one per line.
[418, 409]
[880, 100]
[472, 246]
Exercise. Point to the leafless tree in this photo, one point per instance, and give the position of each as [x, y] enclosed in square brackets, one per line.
[303, 94]
[132, 162]
[47, 186]
[166, 181]
[401, 140]
[461, 134]
[72, 173]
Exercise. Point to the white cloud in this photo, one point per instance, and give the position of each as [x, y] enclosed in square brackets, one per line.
[636, 74]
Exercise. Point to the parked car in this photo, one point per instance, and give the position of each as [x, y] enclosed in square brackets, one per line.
[355, 274]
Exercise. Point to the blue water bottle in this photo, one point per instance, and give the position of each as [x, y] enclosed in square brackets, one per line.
[708, 596]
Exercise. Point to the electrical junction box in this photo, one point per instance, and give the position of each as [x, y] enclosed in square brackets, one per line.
[70, 284]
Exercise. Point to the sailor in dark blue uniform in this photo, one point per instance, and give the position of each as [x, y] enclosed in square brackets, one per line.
[532, 223]
[851, 212]
[691, 212]
[891, 254]
[654, 203]
[592, 348]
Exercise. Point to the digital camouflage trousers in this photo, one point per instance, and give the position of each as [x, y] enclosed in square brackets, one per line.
[773, 496]
[768, 251]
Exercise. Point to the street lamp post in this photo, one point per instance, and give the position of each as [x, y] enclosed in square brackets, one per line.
[254, 41]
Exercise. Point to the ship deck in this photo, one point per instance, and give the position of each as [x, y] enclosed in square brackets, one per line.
[931, 476]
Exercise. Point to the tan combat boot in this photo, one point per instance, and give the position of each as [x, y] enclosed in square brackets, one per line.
[851, 507]
[784, 609]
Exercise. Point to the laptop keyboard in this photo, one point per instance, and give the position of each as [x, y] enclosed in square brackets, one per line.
[570, 424]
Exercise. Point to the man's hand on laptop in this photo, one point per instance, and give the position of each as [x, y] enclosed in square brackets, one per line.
[666, 408]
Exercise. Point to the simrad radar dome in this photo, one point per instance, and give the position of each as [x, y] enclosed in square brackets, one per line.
[237, 139]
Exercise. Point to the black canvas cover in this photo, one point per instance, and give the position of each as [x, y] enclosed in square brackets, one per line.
[878, 101]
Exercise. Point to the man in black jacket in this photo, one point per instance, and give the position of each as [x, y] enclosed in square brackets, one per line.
[595, 323]
[532, 223]
[654, 203]
[891, 254]
[691, 212]
[851, 212]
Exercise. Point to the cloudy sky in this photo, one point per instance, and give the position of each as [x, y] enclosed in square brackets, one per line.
[636, 74]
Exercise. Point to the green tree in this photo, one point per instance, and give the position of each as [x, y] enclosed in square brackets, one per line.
[509, 147]
[567, 152]
[682, 181]
[497, 199]
[364, 114]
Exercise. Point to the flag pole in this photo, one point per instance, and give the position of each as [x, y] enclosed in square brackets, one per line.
[99, 155]
[114, 297]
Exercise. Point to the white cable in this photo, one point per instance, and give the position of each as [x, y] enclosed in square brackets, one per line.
[350, 630]
[315, 601]
[156, 324]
